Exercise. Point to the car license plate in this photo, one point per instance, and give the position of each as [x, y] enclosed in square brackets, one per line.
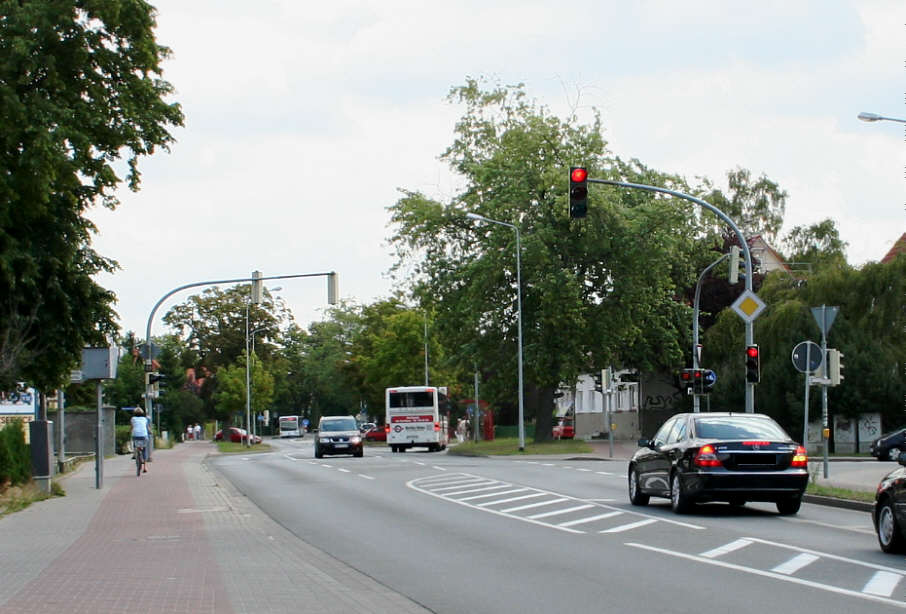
[341, 445]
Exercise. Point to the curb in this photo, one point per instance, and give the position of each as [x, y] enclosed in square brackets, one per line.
[849, 504]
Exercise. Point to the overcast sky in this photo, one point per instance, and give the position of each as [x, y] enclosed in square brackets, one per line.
[289, 101]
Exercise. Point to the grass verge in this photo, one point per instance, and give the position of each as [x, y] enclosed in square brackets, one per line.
[229, 447]
[510, 446]
[17, 498]
[840, 493]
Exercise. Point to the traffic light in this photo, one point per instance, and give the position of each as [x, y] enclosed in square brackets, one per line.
[578, 192]
[685, 379]
[753, 364]
[152, 379]
[599, 382]
[834, 366]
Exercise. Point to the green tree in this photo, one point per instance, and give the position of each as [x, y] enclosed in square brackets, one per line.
[595, 292]
[80, 89]
[818, 245]
[230, 395]
[756, 205]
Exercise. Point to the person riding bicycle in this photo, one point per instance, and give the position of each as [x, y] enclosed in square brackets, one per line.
[141, 431]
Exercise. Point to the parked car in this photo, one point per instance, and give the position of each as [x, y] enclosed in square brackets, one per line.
[889, 514]
[889, 445]
[732, 457]
[376, 433]
[366, 426]
[237, 435]
[564, 429]
[338, 435]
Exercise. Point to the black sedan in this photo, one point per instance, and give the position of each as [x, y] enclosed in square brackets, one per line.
[732, 457]
[890, 509]
[889, 445]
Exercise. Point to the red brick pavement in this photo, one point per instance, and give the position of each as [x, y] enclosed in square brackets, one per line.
[145, 550]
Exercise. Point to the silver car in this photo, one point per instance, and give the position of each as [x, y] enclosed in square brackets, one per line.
[338, 435]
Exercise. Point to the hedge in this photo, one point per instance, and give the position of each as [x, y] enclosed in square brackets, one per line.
[15, 456]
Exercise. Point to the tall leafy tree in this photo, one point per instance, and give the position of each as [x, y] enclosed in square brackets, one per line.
[596, 292]
[80, 90]
[817, 245]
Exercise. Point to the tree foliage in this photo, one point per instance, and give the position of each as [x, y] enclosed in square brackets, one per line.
[595, 292]
[80, 89]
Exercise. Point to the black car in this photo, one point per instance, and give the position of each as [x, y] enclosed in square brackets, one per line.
[890, 509]
[732, 457]
[889, 445]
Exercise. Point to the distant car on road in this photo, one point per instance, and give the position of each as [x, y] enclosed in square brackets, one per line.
[887, 447]
[564, 429]
[889, 514]
[376, 433]
[338, 435]
[732, 457]
[237, 435]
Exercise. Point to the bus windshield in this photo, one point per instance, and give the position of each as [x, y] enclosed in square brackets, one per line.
[411, 399]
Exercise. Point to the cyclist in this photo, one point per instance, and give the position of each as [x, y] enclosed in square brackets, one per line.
[140, 433]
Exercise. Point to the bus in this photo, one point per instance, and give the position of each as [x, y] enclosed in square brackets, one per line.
[291, 426]
[417, 417]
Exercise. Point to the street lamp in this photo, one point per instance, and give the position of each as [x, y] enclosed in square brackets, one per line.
[874, 117]
[480, 218]
[248, 360]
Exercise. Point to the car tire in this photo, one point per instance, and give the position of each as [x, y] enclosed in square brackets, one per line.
[359, 453]
[679, 501]
[889, 536]
[318, 453]
[893, 453]
[636, 497]
[788, 507]
[737, 502]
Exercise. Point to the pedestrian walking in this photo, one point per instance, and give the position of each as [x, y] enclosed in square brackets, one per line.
[198, 432]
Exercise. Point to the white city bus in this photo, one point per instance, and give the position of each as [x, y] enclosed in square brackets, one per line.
[417, 417]
[291, 426]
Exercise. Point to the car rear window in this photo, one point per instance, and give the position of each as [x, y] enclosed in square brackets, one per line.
[738, 427]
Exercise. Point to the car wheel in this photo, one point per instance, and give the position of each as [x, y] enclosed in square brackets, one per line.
[635, 493]
[889, 536]
[360, 453]
[679, 500]
[893, 453]
[788, 507]
[318, 453]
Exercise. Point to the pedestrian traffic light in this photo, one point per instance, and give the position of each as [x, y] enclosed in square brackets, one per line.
[753, 364]
[685, 380]
[599, 382]
[835, 366]
[578, 192]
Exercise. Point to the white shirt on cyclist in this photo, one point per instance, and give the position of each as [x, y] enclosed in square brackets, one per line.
[139, 426]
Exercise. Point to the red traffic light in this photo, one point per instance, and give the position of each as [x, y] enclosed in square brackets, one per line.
[579, 174]
[685, 376]
[752, 351]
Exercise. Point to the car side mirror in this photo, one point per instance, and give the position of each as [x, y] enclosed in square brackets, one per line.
[902, 458]
[644, 443]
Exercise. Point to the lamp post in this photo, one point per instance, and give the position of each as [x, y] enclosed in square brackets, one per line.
[248, 360]
[874, 117]
[480, 218]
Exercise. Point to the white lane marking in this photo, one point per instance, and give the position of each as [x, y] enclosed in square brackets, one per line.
[494, 494]
[420, 463]
[726, 548]
[475, 483]
[290, 457]
[548, 465]
[448, 479]
[531, 496]
[344, 470]
[867, 528]
[604, 473]
[796, 563]
[580, 469]
[438, 468]
[882, 583]
[529, 506]
[770, 574]
[367, 477]
[826, 555]
[558, 512]
[630, 526]
[572, 523]
[328, 466]
[482, 489]
[602, 500]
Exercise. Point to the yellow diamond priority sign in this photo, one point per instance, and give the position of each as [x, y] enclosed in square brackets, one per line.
[748, 306]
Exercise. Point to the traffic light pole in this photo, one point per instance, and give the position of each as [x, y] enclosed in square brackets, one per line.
[331, 298]
[696, 400]
[750, 334]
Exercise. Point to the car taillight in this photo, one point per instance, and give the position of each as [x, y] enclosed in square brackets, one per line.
[800, 459]
[756, 443]
[386, 428]
[706, 457]
[437, 426]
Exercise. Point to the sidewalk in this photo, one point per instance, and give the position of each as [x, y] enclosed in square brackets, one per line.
[178, 539]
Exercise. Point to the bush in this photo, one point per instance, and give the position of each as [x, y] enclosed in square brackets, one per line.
[123, 439]
[15, 456]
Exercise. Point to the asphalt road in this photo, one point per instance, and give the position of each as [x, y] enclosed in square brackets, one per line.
[534, 535]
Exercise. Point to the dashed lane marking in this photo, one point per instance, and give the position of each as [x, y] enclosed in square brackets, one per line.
[630, 526]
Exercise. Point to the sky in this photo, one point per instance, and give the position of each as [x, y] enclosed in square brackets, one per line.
[304, 119]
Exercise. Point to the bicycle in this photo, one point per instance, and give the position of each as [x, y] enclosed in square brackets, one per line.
[138, 444]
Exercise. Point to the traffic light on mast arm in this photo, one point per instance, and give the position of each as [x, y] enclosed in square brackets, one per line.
[578, 192]
[753, 364]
